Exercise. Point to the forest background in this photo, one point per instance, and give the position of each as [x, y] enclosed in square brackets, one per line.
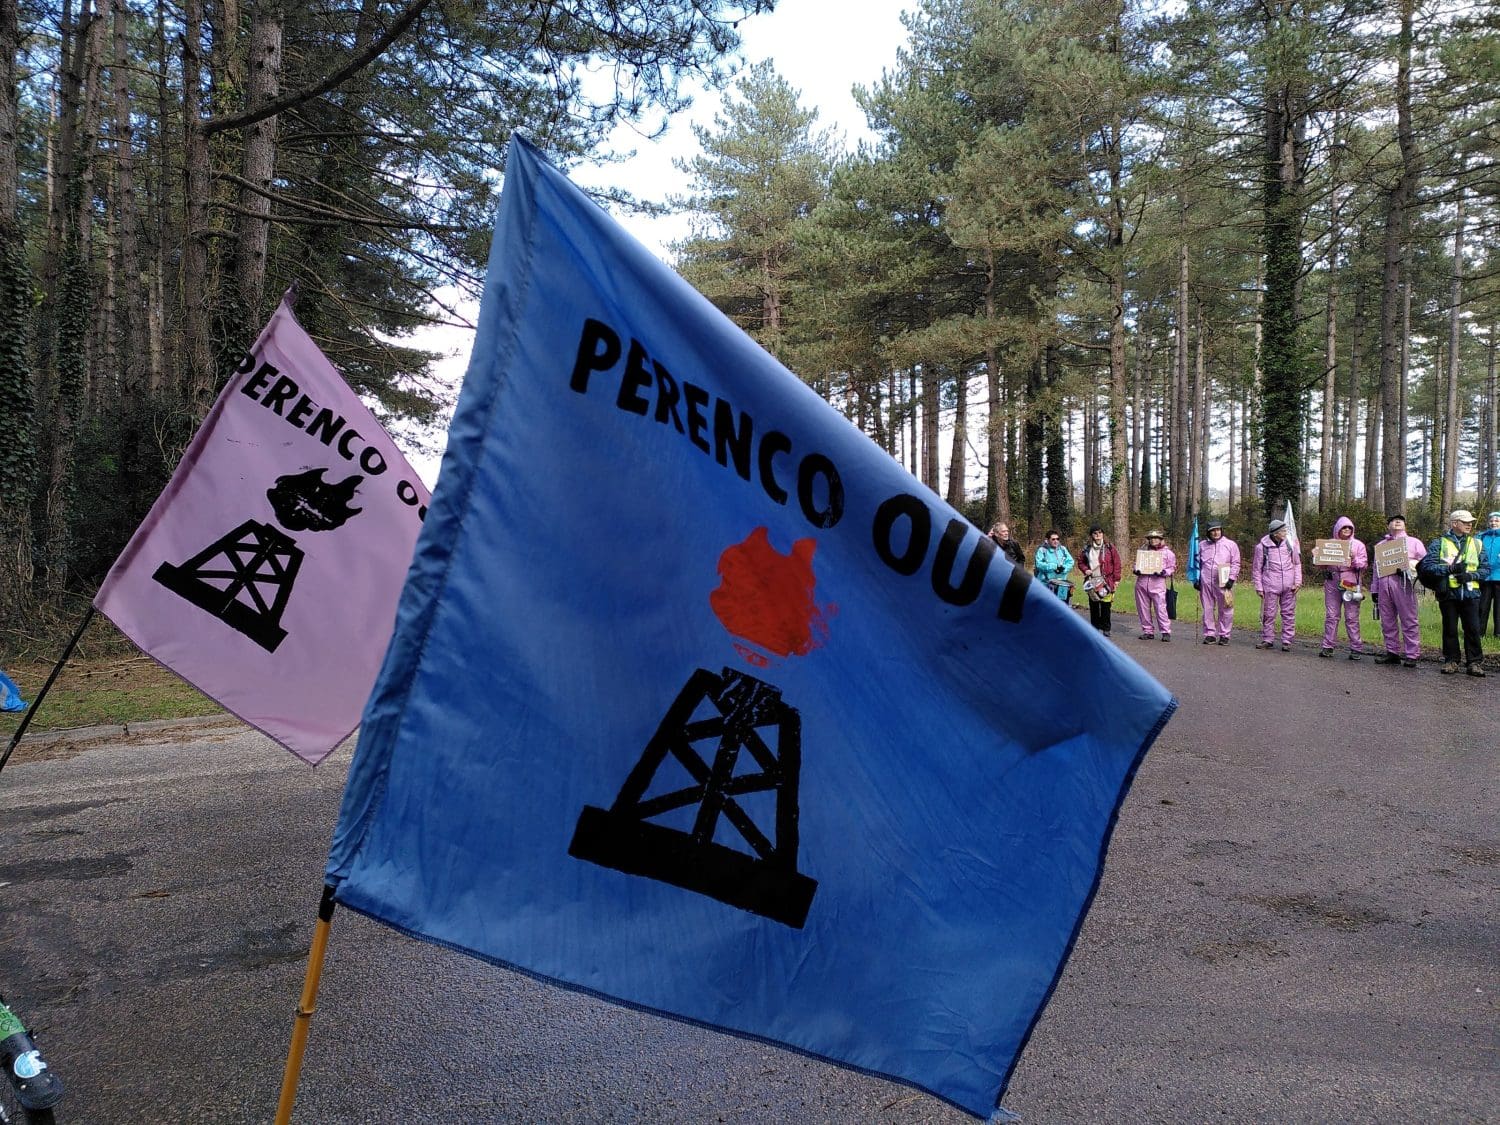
[1104, 250]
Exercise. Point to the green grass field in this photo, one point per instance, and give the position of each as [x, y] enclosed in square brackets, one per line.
[1309, 614]
[102, 691]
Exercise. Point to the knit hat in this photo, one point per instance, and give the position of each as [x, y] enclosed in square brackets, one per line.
[1461, 515]
[1095, 528]
[1275, 525]
[1494, 515]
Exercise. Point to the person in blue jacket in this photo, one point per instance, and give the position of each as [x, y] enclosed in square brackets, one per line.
[1489, 589]
[1053, 562]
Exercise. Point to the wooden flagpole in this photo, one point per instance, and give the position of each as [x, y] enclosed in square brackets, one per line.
[41, 695]
[305, 1008]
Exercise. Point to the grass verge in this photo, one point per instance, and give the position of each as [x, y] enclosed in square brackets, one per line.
[95, 691]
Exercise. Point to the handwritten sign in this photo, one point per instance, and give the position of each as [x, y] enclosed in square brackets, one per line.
[1331, 552]
[1390, 557]
[1149, 562]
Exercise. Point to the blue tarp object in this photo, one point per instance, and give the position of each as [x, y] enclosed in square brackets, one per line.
[10, 695]
[699, 702]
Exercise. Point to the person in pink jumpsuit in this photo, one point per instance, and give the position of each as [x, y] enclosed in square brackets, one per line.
[1151, 590]
[1219, 564]
[1338, 580]
[1396, 600]
[1276, 571]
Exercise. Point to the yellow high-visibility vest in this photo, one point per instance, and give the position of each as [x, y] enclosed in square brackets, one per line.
[1449, 551]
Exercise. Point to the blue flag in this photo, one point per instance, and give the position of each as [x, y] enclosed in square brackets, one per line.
[699, 702]
[10, 695]
[1193, 568]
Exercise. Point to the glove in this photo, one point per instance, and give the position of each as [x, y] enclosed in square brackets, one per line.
[1136, 573]
[1197, 585]
[1458, 568]
[1229, 585]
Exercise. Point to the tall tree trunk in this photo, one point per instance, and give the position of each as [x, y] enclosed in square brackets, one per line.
[1119, 454]
[1455, 416]
[1281, 392]
[1036, 452]
[1330, 378]
[915, 445]
[17, 407]
[1140, 422]
[1374, 434]
[262, 84]
[1352, 398]
[64, 313]
[198, 375]
[1059, 486]
[1090, 451]
[931, 380]
[1434, 467]
[956, 458]
[1397, 223]
[1403, 427]
[130, 305]
[997, 482]
[1180, 429]
[161, 173]
[1202, 411]
[1251, 400]
[1490, 430]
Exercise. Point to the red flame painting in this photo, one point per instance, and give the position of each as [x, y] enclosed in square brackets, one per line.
[766, 598]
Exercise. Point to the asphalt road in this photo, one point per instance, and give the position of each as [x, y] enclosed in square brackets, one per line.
[1300, 922]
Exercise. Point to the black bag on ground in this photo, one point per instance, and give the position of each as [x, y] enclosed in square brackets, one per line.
[1172, 602]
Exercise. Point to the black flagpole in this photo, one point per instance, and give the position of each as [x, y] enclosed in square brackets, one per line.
[37, 702]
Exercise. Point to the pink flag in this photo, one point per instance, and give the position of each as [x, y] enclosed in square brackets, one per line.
[267, 572]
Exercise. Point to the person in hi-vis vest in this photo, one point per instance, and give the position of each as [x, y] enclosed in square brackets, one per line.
[1455, 561]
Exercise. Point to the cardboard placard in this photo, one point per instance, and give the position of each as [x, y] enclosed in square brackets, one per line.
[1224, 576]
[1331, 552]
[1149, 562]
[1390, 557]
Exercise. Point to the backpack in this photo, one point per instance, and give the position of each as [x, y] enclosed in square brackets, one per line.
[1432, 577]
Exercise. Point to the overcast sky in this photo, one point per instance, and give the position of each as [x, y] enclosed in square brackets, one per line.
[823, 48]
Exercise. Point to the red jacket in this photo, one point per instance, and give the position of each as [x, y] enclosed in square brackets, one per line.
[1109, 562]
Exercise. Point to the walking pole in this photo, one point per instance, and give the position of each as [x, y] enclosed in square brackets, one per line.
[41, 695]
[305, 1008]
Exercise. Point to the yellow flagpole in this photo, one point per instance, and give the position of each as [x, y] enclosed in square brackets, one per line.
[305, 1008]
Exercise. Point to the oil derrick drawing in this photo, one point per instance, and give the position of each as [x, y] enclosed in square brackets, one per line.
[245, 578]
[751, 743]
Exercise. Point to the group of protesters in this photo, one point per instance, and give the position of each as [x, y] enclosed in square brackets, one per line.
[1461, 568]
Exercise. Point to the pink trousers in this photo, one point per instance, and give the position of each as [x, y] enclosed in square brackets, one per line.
[1333, 601]
[1286, 603]
[1151, 604]
[1217, 617]
[1398, 618]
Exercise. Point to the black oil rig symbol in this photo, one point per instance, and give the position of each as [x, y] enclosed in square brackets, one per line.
[245, 578]
[745, 716]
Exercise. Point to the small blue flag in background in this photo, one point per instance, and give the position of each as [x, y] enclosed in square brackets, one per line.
[1194, 568]
[10, 695]
[698, 701]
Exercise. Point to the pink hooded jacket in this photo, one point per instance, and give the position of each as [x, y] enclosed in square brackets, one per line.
[1212, 555]
[1359, 557]
[1275, 567]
